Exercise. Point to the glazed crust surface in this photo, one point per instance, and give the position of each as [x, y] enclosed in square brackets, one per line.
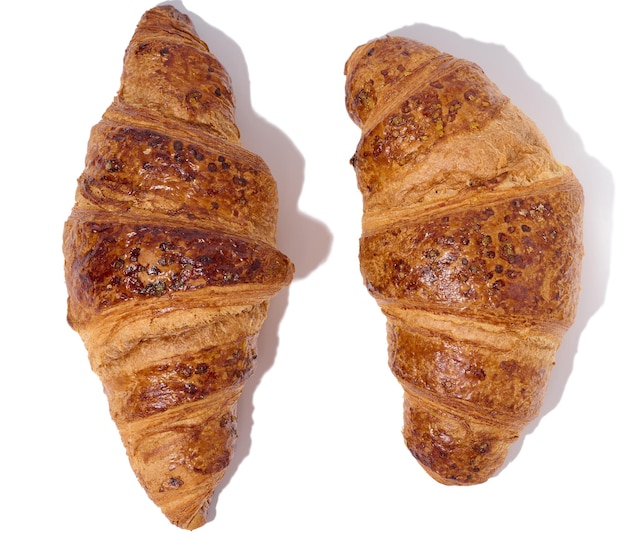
[182, 175]
[484, 261]
[144, 261]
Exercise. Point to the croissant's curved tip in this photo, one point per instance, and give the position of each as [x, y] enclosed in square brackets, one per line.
[454, 449]
[167, 14]
[369, 71]
[196, 521]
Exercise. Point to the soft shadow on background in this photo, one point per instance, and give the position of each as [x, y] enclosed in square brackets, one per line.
[305, 240]
[528, 95]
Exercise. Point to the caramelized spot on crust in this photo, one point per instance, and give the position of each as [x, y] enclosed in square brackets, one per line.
[494, 258]
[188, 378]
[120, 261]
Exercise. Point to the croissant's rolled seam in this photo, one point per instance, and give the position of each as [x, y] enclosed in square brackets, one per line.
[471, 245]
[171, 262]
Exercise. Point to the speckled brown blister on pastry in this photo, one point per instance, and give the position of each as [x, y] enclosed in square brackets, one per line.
[471, 245]
[171, 261]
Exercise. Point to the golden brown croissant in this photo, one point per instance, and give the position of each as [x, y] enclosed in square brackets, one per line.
[471, 245]
[171, 261]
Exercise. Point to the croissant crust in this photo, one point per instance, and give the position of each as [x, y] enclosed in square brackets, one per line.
[471, 245]
[171, 261]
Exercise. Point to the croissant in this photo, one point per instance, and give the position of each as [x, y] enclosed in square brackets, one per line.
[471, 245]
[170, 262]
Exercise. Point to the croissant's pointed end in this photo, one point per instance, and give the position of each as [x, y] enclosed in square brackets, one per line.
[180, 460]
[198, 520]
[188, 510]
[365, 81]
[454, 450]
[168, 13]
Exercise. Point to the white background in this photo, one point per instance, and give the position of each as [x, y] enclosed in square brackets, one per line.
[320, 448]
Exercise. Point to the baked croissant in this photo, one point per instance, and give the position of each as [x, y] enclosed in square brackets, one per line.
[471, 245]
[170, 262]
